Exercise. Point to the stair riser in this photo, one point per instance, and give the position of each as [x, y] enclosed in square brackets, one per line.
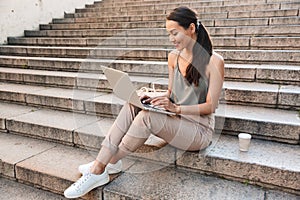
[265, 99]
[147, 3]
[220, 18]
[202, 9]
[256, 174]
[218, 42]
[214, 32]
[267, 13]
[161, 24]
[230, 56]
[202, 15]
[268, 131]
[89, 17]
[282, 98]
[220, 3]
[94, 17]
[284, 76]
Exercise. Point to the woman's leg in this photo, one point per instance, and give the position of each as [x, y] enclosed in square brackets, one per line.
[114, 136]
[178, 132]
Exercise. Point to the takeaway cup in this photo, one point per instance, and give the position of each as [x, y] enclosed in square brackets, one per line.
[244, 141]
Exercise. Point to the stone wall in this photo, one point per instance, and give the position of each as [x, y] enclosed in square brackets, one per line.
[19, 15]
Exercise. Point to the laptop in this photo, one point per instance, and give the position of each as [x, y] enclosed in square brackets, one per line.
[124, 89]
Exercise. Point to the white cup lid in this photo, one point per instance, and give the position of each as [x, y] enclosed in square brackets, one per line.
[244, 136]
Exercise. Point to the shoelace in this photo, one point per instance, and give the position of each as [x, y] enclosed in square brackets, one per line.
[81, 181]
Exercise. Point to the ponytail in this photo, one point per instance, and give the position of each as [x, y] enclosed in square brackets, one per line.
[202, 51]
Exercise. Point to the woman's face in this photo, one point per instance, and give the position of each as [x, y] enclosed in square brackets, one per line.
[180, 37]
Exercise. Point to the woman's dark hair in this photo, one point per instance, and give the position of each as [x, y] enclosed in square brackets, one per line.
[202, 49]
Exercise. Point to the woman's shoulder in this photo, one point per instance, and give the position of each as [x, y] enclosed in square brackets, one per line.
[172, 57]
[216, 64]
[216, 60]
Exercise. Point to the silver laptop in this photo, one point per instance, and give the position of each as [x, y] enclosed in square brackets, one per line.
[124, 89]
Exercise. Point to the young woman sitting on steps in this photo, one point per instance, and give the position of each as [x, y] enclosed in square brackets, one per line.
[196, 75]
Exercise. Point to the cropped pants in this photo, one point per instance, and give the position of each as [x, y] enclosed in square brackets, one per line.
[133, 126]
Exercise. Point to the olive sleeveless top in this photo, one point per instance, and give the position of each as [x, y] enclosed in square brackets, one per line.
[184, 93]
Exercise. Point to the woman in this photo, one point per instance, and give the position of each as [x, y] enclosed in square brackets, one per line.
[196, 76]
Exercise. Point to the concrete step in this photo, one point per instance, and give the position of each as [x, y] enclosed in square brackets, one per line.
[220, 3]
[106, 104]
[94, 17]
[162, 16]
[27, 66]
[277, 30]
[284, 57]
[168, 7]
[147, 55]
[283, 75]
[260, 94]
[276, 43]
[110, 4]
[71, 25]
[43, 164]
[13, 190]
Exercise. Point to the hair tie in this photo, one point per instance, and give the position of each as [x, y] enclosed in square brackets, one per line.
[199, 23]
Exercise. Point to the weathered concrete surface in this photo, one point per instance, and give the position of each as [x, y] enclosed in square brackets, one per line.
[265, 163]
[10, 110]
[11, 190]
[149, 181]
[15, 149]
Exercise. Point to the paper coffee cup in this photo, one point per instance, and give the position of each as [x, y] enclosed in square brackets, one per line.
[244, 141]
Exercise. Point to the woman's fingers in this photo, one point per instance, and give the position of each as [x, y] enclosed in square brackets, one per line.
[160, 101]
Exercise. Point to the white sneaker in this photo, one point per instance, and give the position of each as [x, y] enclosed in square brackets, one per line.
[111, 168]
[85, 184]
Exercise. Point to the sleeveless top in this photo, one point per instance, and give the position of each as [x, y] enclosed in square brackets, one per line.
[184, 93]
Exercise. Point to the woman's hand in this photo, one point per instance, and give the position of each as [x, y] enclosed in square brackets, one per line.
[165, 103]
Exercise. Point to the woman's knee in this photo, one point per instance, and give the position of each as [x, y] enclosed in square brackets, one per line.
[130, 144]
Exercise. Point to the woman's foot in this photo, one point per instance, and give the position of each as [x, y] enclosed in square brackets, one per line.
[111, 168]
[85, 184]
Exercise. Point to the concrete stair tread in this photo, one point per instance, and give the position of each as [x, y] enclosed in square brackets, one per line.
[169, 6]
[172, 181]
[214, 31]
[248, 86]
[69, 24]
[22, 69]
[228, 14]
[22, 57]
[250, 92]
[90, 17]
[14, 71]
[12, 190]
[241, 42]
[282, 57]
[33, 165]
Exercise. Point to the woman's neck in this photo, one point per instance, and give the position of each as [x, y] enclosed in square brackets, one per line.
[187, 54]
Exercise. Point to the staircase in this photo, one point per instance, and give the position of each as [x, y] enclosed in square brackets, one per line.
[56, 105]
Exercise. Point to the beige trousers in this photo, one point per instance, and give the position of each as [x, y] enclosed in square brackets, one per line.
[133, 126]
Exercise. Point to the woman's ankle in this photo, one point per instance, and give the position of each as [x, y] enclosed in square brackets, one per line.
[98, 168]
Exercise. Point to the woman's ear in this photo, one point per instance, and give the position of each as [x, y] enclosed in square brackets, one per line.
[192, 28]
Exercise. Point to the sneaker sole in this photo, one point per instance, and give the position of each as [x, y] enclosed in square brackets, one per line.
[90, 189]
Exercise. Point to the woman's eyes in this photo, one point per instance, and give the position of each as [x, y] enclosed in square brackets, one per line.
[173, 34]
